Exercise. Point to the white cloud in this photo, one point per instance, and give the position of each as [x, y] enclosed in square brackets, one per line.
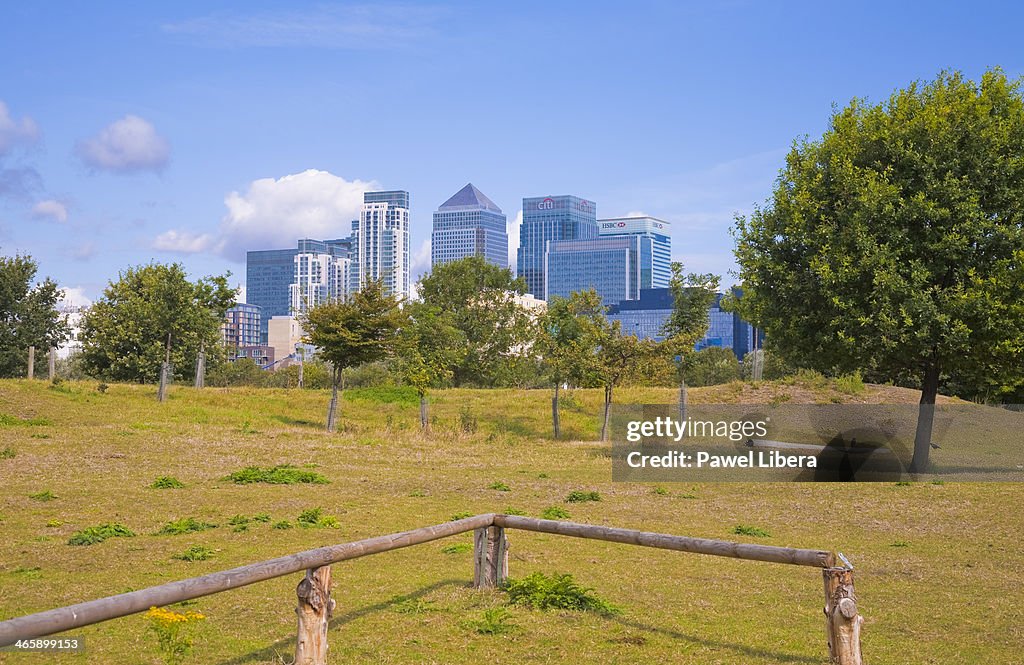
[636, 213]
[512, 228]
[420, 262]
[14, 131]
[184, 242]
[74, 296]
[50, 209]
[84, 252]
[128, 145]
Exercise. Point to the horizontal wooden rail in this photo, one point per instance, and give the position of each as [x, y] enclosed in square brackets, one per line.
[112, 607]
[491, 568]
[797, 557]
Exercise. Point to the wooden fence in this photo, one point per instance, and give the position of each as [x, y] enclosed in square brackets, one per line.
[315, 606]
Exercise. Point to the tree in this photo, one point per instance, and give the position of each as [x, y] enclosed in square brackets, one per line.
[569, 334]
[712, 366]
[349, 333]
[430, 347]
[620, 357]
[895, 243]
[692, 296]
[154, 314]
[480, 297]
[28, 314]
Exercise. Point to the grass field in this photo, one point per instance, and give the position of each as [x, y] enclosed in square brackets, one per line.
[935, 562]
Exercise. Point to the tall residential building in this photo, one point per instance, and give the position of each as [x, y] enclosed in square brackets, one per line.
[241, 326]
[609, 265]
[322, 273]
[469, 224]
[655, 246]
[548, 218]
[381, 242]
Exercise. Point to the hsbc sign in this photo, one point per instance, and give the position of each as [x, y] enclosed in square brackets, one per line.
[633, 225]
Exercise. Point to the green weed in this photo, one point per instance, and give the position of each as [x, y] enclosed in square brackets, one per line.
[493, 621]
[314, 518]
[499, 486]
[195, 553]
[46, 495]
[745, 530]
[283, 474]
[555, 513]
[184, 525]
[555, 592]
[457, 548]
[579, 496]
[167, 483]
[97, 534]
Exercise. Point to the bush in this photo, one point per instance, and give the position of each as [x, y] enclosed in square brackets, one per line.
[241, 372]
[557, 592]
[97, 534]
[283, 474]
[578, 496]
[712, 366]
[167, 483]
[184, 525]
[849, 384]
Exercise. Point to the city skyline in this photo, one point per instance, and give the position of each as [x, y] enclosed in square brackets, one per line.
[131, 134]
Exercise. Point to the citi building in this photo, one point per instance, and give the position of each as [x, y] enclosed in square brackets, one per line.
[547, 219]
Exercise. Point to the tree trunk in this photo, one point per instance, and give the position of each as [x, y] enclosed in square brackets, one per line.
[682, 398]
[925, 419]
[424, 413]
[332, 409]
[556, 423]
[607, 412]
[314, 612]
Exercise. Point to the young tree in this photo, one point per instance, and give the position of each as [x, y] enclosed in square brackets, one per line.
[569, 334]
[349, 333]
[619, 358]
[154, 314]
[895, 242]
[430, 347]
[692, 295]
[480, 297]
[28, 314]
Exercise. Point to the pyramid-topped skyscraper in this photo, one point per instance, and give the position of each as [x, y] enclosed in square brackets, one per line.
[469, 224]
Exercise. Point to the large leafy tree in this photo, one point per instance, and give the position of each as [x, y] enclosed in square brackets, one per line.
[28, 314]
[429, 349]
[895, 242]
[569, 335]
[349, 333]
[480, 297]
[152, 314]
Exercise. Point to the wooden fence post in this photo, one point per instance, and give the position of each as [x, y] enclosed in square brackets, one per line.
[314, 611]
[490, 556]
[842, 622]
[31, 362]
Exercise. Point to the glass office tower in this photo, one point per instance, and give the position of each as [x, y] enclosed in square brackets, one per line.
[547, 218]
[380, 247]
[610, 266]
[469, 224]
[655, 246]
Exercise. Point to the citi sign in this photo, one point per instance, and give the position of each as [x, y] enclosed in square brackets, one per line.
[546, 204]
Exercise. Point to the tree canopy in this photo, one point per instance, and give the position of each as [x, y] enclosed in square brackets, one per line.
[894, 243]
[148, 311]
[28, 314]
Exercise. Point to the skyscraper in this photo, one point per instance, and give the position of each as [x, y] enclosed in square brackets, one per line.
[469, 224]
[609, 265]
[655, 246]
[380, 247]
[322, 271]
[551, 218]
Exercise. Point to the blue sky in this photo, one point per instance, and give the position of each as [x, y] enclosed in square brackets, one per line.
[190, 132]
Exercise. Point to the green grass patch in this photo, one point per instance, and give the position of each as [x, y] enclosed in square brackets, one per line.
[283, 474]
[7, 420]
[555, 513]
[97, 534]
[184, 525]
[314, 518]
[493, 621]
[515, 511]
[8, 453]
[167, 483]
[579, 496]
[499, 486]
[459, 516]
[53, 524]
[45, 495]
[746, 530]
[283, 524]
[556, 592]
[195, 553]
[849, 384]
[457, 548]
[401, 395]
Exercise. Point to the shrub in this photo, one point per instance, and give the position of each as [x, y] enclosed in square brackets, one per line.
[97, 534]
[283, 474]
[849, 384]
[493, 621]
[184, 525]
[756, 532]
[557, 592]
[315, 518]
[578, 496]
[167, 483]
[43, 496]
[195, 553]
[555, 513]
